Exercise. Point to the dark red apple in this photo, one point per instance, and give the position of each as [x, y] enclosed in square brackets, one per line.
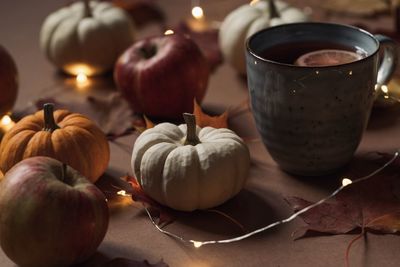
[50, 215]
[161, 76]
[8, 82]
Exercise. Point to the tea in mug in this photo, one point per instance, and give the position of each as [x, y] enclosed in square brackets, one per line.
[313, 54]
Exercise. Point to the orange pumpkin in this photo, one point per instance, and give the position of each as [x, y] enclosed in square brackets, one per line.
[68, 137]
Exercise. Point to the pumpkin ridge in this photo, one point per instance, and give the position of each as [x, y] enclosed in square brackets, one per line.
[225, 138]
[80, 122]
[112, 49]
[176, 180]
[82, 149]
[62, 114]
[139, 153]
[32, 119]
[16, 149]
[161, 151]
[39, 145]
[66, 146]
[58, 54]
[54, 22]
[111, 32]
[101, 159]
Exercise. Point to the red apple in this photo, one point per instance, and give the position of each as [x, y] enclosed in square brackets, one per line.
[161, 76]
[8, 82]
[50, 215]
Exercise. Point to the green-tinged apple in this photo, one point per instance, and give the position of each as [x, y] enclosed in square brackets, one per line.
[8, 81]
[50, 215]
[161, 76]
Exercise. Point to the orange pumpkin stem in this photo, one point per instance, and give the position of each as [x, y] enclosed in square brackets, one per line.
[49, 123]
[191, 136]
[88, 11]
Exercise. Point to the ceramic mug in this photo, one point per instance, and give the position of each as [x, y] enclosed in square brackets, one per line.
[311, 119]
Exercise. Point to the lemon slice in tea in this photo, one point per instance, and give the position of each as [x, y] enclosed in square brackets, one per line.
[327, 57]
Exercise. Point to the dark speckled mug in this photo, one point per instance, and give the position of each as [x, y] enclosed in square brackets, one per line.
[311, 119]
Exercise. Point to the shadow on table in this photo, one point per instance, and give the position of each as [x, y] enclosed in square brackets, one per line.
[360, 166]
[383, 117]
[101, 260]
[240, 215]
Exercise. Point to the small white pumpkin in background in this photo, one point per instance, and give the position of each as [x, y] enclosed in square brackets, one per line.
[186, 167]
[248, 19]
[86, 37]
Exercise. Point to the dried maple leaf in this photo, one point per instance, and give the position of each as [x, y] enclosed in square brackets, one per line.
[203, 120]
[207, 41]
[121, 262]
[164, 215]
[373, 205]
[142, 123]
[149, 124]
[111, 113]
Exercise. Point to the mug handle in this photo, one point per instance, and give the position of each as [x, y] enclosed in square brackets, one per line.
[388, 61]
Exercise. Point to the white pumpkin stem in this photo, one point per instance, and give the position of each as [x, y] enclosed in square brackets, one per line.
[191, 136]
[63, 171]
[273, 10]
[88, 11]
[49, 123]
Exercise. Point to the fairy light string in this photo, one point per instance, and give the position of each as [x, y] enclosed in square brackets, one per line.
[196, 243]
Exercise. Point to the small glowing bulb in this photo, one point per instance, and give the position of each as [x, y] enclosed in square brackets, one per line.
[346, 181]
[253, 2]
[168, 32]
[197, 244]
[81, 78]
[197, 12]
[6, 120]
[384, 89]
[123, 193]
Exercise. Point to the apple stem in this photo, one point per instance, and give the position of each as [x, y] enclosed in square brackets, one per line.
[63, 172]
[49, 124]
[148, 51]
[273, 10]
[88, 11]
[191, 136]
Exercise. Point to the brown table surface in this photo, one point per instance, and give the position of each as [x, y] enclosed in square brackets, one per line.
[131, 235]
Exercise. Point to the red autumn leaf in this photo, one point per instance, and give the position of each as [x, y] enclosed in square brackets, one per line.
[149, 124]
[372, 205]
[142, 123]
[163, 214]
[121, 262]
[203, 120]
[207, 41]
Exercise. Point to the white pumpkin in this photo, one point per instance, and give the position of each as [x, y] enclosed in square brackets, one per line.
[86, 37]
[248, 19]
[188, 170]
